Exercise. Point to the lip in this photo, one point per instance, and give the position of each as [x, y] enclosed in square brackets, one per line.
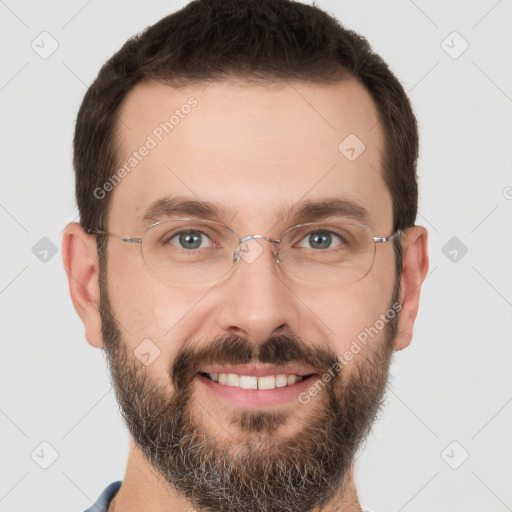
[255, 398]
[259, 371]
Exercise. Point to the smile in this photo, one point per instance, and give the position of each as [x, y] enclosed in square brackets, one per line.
[252, 382]
[253, 387]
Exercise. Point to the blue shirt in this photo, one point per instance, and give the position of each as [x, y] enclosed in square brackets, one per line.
[105, 498]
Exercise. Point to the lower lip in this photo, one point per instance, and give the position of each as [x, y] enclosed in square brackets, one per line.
[254, 398]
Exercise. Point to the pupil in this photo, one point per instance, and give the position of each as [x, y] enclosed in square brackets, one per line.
[320, 240]
[190, 240]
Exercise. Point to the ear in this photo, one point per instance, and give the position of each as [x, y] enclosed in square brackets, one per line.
[81, 265]
[414, 270]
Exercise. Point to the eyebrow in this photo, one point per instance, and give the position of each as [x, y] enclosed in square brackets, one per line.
[305, 211]
[311, 210]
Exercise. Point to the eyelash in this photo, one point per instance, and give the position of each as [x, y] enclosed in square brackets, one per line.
[170, 237]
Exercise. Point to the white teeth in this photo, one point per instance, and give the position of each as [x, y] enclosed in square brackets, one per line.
[292, 379]
[267, 382]
[251, 382]
[247, 382]
[233, 380]
[281, 381]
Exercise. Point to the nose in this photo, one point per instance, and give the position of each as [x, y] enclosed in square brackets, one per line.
[256, 301]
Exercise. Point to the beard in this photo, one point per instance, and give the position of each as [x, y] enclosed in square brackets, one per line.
[263, 472]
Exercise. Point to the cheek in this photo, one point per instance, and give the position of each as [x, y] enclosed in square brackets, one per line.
[360, 326]
[154, 318]
[351, 312]
[143, 304]
[357, 314]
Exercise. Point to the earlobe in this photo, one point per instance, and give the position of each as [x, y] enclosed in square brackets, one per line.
[81, 264]
[414, 271]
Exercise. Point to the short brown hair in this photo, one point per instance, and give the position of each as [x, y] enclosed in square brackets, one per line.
[253, 40]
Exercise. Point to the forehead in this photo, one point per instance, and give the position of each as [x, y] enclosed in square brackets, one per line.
[252, 151]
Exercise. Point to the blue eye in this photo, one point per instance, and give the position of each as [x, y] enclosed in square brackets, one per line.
[190, 240]
[321, 240]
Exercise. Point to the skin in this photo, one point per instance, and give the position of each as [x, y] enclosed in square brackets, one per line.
[255, 149]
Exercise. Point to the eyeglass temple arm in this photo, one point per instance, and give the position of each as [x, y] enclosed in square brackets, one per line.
[101, 232]
[383, 239]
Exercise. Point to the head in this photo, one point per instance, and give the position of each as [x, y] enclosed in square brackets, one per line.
[257, 115]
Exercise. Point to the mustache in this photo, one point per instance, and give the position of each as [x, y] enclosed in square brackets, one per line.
[278, 350]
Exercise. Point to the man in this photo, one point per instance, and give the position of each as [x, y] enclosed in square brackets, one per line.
[246, 256]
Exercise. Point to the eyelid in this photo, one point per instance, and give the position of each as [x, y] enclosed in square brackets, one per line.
[211, 228]
[188, 231]
[333, 234]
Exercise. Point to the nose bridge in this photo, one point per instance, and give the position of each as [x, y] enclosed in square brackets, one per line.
[255, 301]
[246, 246]
[253, 237]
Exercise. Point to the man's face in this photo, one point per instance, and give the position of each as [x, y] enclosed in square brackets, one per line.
[256, 153]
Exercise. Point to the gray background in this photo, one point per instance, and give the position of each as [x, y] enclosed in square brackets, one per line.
[450, 394]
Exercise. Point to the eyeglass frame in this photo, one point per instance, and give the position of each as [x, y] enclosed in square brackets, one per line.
[241, 240]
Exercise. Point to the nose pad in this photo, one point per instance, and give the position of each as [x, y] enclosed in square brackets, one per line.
[250, 249]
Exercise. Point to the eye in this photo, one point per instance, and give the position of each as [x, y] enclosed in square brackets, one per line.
[321, 240]
[190, 239]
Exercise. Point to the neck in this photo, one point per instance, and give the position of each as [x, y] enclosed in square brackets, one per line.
[144, 490]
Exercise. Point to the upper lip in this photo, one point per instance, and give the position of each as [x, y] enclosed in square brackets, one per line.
[258, 370]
